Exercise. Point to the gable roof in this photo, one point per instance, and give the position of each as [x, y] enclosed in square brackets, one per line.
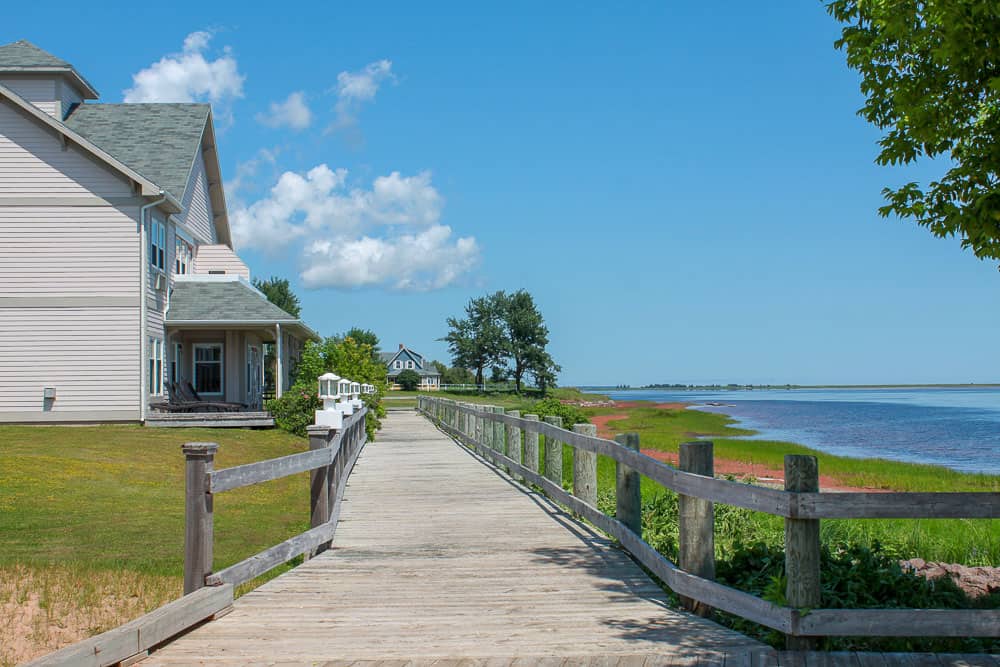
[23, 57]
[149, 188]
[222, 300]
[160, 141]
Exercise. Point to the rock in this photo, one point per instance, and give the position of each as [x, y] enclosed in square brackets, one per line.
[974, 581]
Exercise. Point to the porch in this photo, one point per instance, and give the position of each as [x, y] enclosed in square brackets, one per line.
[226, 348]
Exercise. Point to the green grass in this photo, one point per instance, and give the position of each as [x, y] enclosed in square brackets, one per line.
[92, 520]
[113, 496]
[971, 542]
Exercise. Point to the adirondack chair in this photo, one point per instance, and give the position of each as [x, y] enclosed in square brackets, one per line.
[175, 401]
[189, 394]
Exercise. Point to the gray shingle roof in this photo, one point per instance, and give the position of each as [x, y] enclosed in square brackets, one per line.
[23, 56]
[23, 53]
[160, 141]
[222, 301]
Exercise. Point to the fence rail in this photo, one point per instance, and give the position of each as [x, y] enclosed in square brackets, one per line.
[331, 456]
[511, 441]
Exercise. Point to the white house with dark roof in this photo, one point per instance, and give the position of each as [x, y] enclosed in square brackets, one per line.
[406, 359]
[118, 275]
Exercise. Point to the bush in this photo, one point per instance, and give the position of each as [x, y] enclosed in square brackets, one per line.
[295, 410]
[550, 407]
[408, 380]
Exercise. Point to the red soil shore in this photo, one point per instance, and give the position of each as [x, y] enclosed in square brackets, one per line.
[763, 474]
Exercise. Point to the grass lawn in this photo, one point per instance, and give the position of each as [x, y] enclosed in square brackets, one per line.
[93, 518]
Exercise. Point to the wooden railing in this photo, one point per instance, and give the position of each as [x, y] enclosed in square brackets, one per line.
[208, 595]
[331, 457]
[511, 441]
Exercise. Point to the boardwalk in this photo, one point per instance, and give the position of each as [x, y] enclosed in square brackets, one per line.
[440, 558]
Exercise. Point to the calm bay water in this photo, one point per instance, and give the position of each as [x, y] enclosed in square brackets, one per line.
[954, 427]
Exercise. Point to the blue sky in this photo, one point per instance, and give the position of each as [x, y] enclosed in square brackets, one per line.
[684, 187]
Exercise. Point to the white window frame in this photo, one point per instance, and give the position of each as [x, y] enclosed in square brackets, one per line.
[155, 362]
[176, 361]
[409, 364]
[399, 364]
[222, 367]
[183, 255]
[158, 245]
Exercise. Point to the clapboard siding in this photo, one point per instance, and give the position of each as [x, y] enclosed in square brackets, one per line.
[219, 258]
[69, 251]
[197, 215]
[39, 91]
[33, 162]
[89, 355]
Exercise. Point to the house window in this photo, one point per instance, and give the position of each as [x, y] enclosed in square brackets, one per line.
[176, 362]
[182, 256]
[155, 367]
[208, 368]
[158, 245]
[409, 364]
[399, 364]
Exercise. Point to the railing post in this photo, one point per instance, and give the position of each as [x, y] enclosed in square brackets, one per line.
[802, 547]
[553, 454]
[499, 441]
[697, 522]
[320, 437]
[585, 468]
[531, 445]
[198, 520]
[628, 489]
[514, 443]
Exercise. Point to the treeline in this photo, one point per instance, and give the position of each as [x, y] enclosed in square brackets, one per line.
[506, 334]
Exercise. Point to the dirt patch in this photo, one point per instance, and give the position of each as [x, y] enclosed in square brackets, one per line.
[43, 610]
[763, 475]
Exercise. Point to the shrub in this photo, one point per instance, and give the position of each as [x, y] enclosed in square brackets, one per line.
[550, 407]
[295, 410]
[408, 379]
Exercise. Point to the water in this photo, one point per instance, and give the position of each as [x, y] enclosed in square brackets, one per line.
[958, 428]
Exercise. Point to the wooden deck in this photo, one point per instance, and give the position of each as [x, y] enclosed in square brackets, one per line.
[440, 559]
[245, 419]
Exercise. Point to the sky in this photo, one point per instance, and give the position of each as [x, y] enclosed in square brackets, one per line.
[684, 188]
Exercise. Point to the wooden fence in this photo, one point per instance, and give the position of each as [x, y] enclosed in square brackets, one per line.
[207, 595]
[512, 442]
[331, 456]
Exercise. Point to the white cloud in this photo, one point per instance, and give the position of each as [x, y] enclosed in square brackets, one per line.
[413, 262]
[293, 113]
[389, 235]
[354, 89]
[189, 76]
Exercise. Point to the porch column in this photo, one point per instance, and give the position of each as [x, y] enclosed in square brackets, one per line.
[278, 370]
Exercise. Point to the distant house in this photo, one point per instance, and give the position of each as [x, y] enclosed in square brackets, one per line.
[117, 268]
[406, 359]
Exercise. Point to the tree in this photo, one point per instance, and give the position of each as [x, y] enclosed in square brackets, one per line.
[408, 379]
[930, 77]
[476, 342]
[279, 292]
[457, 375]
[366, 337]
[526, 335]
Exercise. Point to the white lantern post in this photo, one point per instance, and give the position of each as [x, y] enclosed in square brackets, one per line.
[329, 416]
[344, 394]
[356, 395]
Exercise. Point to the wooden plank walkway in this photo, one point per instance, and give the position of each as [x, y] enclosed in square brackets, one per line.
[441, 560]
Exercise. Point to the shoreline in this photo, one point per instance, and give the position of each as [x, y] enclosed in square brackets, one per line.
[760, 474]
[850, 474]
